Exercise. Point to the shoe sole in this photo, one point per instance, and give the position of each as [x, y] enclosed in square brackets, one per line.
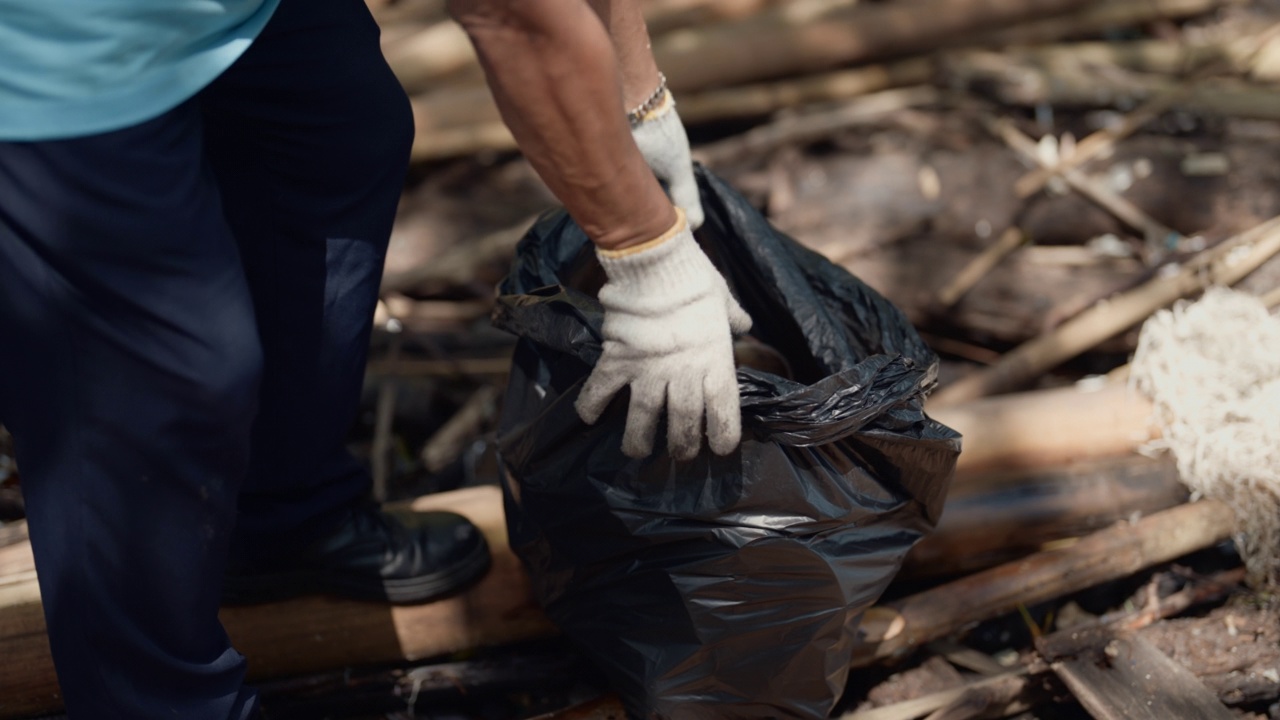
[257, 589]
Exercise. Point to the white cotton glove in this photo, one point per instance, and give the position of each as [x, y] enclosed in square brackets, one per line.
[669, 322]
[662, 141]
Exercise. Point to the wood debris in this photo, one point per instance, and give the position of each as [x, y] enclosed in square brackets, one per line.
[1029, 181]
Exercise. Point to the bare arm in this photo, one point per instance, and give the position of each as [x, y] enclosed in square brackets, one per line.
[625, 24]
[556, 79]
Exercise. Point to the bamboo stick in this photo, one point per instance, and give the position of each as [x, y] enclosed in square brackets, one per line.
[1047, 428]
[1027, 84]
[765, 98]
[1225, 264]
[423, 46]
[1100, 17]
[771, 46]
[995, 517]
[1120, 375]
[453, 121]
[1116, 552]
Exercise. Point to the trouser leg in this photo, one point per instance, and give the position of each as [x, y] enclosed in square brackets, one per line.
[130, 370]
[309, 137]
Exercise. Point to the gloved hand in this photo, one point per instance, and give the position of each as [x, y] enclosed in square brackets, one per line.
[662, 141]
[668, 333]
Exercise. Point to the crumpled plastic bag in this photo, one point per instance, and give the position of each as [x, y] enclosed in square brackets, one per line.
[722, 587]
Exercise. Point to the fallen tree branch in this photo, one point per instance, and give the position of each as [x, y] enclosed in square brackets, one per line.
[993, 518]
[765, 98]
[1224, 264]
[1118, 551]
[1011, 82]
[1047, 428]
[729, 53]
[1101, 17]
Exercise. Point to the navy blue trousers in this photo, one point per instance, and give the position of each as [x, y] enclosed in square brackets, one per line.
[185, 308]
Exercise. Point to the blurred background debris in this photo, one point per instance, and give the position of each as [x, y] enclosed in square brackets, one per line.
[1030, 181]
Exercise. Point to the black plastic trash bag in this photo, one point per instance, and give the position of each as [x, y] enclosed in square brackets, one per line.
[721, 587]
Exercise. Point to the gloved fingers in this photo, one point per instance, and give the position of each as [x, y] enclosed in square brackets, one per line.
[684, 193]
[724, 413]
[647, 399]
[739, 320]
[605, 382]
[685, 408]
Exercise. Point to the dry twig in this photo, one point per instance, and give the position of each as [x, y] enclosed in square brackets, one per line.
[1010, 240]
[1224, 264]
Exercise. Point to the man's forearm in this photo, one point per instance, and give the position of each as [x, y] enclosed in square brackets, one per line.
[625, 24]
[555, 78]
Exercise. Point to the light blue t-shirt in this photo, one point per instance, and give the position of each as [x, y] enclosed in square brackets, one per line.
[78, 67]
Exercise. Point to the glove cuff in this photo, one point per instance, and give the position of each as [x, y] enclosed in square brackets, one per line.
[680, 224]
[672, 260]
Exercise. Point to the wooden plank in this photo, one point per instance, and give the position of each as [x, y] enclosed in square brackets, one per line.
[992, 518]
[16, 559]
[898, 627]
[311, 634]
[1127, 678]
[13, 532]
[1046, 428]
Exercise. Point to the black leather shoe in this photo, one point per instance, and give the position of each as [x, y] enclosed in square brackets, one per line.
[371, 555]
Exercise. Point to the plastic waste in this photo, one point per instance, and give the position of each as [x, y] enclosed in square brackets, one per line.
[722, 587]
